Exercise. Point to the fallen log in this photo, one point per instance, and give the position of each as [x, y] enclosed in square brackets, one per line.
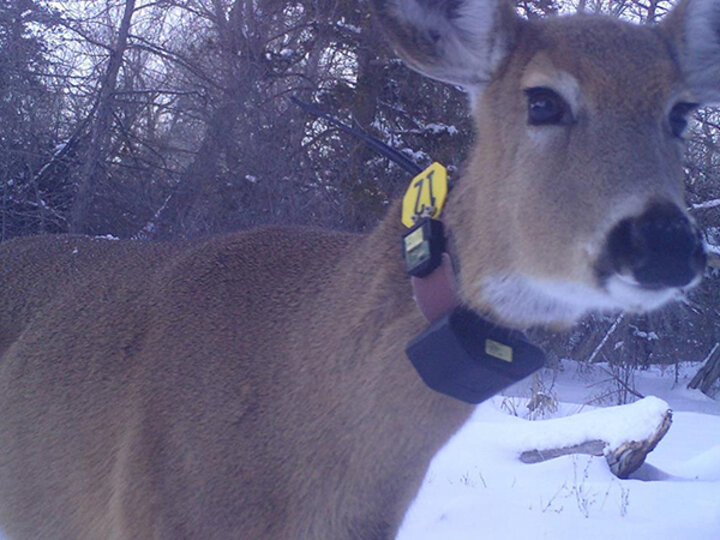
[625, 435]
[628, 457]
[592, 448]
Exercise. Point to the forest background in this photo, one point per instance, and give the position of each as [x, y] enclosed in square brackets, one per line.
[165, 119]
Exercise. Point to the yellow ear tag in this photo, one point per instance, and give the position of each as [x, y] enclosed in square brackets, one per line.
[426, 195]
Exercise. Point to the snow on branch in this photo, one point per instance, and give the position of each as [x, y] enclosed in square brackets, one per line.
[705, 205]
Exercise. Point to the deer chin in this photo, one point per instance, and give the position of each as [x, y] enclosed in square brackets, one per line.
[523, 301]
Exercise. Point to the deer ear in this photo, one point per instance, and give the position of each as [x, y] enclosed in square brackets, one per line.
[694, 27]
[456, 41]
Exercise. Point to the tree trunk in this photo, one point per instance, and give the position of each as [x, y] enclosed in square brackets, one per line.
[708, 373]
[177, 220]
[100, 133]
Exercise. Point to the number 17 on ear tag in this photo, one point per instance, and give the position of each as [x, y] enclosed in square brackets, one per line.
[426, 195]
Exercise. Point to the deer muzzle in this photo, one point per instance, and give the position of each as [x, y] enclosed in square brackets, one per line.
[659, 249]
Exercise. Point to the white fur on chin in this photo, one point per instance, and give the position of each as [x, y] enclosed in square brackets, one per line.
[528, 301]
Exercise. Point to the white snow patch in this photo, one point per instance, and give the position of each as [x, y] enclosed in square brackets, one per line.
[476, 487]
[649, 336]
[418, 155]
[347, 26]
[436, 128]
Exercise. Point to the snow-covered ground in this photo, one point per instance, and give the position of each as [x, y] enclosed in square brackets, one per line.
[477, 488]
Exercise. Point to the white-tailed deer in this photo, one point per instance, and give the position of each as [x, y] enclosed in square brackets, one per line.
[255, 385]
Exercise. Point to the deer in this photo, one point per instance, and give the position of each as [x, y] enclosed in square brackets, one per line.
[255, 384]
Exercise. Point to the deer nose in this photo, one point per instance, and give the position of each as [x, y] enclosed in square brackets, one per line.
[661, 248]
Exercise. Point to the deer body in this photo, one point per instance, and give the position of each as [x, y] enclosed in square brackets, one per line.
[255, 385]
[155, 425]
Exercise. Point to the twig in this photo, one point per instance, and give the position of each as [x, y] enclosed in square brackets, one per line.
[604, 339]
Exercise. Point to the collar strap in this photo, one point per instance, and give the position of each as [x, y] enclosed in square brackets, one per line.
[436, 294]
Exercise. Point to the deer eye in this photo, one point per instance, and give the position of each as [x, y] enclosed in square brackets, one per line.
[679, 117]
[546, 107]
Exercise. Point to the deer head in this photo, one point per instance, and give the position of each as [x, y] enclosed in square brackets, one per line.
[572, 198]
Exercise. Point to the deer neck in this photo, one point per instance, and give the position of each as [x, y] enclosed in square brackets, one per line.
[378, 268]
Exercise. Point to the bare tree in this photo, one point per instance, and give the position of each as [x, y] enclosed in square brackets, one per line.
[100, 132]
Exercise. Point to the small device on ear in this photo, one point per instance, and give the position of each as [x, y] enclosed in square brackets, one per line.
[423, 247]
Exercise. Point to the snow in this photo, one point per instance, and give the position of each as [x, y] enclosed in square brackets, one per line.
[477, 488]
[649, 336]
[347, 26]
[417, 156]
[436, 128]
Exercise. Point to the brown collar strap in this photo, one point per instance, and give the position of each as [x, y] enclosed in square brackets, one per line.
[436, 294]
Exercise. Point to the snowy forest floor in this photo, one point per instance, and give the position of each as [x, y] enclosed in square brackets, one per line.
[477, 488]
